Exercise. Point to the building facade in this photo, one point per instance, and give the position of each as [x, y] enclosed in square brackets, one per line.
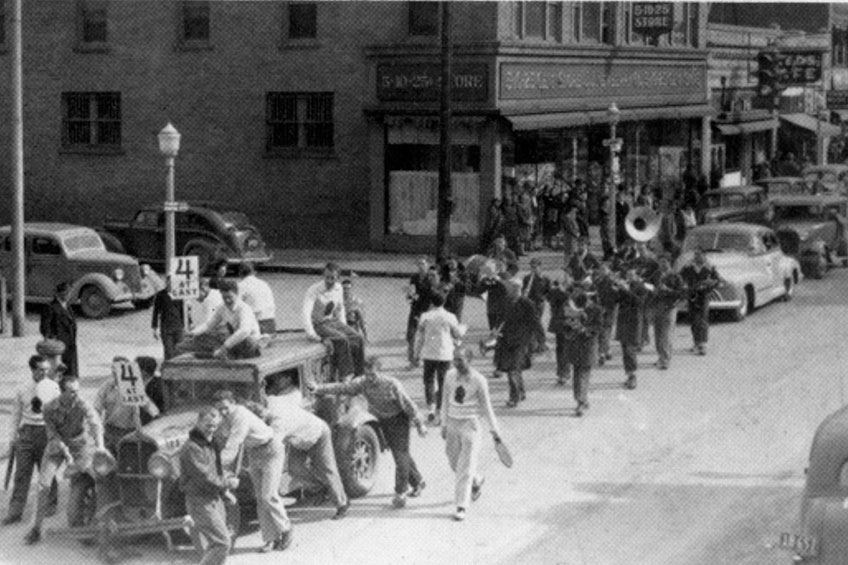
[320, 119]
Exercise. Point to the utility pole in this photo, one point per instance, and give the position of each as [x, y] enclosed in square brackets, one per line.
[445, 203]
[17, 174]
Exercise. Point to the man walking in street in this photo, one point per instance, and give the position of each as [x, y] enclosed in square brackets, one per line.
[513, 350]
[29, 436]
[536, 287]
[465, 399]
[167, 320]
[582, 263]
[631, 298]
[267, 458]
[394, 409]
[606, 296]
[205, 485]
[257, 294]
[418, 294]
[559, 298]
[586, 326]
[700, 279]
[58, 322]
[669, 290]
[437, 332]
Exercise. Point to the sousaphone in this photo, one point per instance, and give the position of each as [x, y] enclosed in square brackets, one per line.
[642, 224]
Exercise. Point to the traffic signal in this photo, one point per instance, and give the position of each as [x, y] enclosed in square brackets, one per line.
[768, 79]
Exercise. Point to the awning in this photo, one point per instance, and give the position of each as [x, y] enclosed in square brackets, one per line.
[568, 119]
[810, 123]
[728, 129]
[737, 128]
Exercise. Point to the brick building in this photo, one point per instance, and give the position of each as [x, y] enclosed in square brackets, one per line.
[320, 119]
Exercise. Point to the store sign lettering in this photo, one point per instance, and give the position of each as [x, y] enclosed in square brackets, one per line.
[423, 82]
[653, 18]
[529, 82]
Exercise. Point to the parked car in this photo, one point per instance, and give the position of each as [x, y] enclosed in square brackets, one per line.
[748, 258]
[735, 204]
[823, 535]
[784, 186]
[56, 252]
[832, 178]
[147, 463]
[813, 229]
[212, 231]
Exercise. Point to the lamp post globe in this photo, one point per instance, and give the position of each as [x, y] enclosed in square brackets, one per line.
[169, 141]
[614, 114]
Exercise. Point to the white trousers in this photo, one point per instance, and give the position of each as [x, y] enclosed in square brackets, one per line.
[463, 450]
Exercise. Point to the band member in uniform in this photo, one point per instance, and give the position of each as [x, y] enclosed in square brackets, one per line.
[513, 350]
[536, 287]
[646, 265]
[700, 279]
[631, 298]
[669, 290]
[586, 326]
[582, 263]
[607, 298]
[559, 297]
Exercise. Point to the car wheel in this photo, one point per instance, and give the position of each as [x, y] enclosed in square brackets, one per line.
[359, 470]
[788, 289]
[94, 303]
[742, 310]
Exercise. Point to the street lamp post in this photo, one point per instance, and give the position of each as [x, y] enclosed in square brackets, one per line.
[614, 115]
[169, 146]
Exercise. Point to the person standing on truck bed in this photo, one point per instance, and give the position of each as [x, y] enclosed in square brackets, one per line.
[324, 318]
[257, 294]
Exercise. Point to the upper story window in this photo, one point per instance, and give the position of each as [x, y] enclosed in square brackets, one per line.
[91, 120]
[299, 121]
[423, 18]
[538, 20]
[594, 22]
[92, 25]
[303, 20]
[2, 25]
[194, 23]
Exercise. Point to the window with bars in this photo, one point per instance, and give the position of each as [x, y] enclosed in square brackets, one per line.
[194, 22]
[93, 21]
[299, 120]
[303, 20]
[423, 18]
[2, 24]
[91, 120]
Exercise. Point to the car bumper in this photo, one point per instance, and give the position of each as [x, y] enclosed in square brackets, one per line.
[124, 529]
[716, 305]
[258, 258]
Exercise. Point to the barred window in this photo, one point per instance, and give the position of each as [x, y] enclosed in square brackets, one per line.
[195, 21]
[93, 16]
[303, 20]
[91, 120]
[299, 120]
[423, 18]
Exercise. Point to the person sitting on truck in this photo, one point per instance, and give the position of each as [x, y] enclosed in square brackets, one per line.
[325, 319]
[231, 333]
[257, 294]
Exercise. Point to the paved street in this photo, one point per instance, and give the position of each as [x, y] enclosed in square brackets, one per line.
[703, 463]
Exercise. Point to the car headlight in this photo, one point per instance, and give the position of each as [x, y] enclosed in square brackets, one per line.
[103, 463]
[159, 466]
[252, 244]
[118, 274]
[145, 269]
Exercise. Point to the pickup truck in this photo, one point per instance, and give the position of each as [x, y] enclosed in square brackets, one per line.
[211, 231]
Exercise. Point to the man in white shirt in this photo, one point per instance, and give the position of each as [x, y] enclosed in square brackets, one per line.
[257, 294]
[309, 437]
[465, 398]
[200, 309]
[231, 333]
[434, 343]
[324, 318]
[267, 458]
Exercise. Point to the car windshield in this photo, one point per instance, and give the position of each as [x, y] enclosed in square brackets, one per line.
[721, 200]
[235, 219]
[717, 241]
[83, 242]
[193, 392]
[798, 212]
[823, 176]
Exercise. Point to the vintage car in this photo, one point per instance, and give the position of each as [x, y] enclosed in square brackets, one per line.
[753, 269]
[56, 252]
[212, 231]
[147, 463]
[832, 178]
[823, 535]
[813, 229]
[783, 186]
[735, 204]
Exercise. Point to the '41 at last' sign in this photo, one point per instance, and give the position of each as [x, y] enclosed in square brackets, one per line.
[184, 273]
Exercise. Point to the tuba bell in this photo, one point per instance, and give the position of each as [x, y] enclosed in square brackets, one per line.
[642, 224]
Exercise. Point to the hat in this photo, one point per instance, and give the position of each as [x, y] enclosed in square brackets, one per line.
[50, 347]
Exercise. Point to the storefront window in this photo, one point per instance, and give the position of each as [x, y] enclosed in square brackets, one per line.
[591, 22]
[534, 22]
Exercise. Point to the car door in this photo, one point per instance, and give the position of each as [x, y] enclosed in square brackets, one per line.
[773, 256]
[46, 265]
[147, 235]
[762, 265]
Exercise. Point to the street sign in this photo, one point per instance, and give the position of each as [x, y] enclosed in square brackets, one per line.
[175, 206]
[778, 69]
[837, 99]
[617, 141]
[653, 18]
[184, 273]
[130, 383]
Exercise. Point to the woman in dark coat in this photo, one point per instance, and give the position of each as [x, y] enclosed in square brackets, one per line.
[514, 348]
[58, 322]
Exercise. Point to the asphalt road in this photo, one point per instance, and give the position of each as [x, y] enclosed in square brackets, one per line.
[703, 463]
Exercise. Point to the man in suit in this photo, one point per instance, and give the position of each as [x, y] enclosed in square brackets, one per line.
[700, 279]
[513, 350]
[582, 263]
[167, 320]
[536, 287]
[58, 322]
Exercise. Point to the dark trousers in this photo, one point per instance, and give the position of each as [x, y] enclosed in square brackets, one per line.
[396, 432]
[170, 339]
[605, 335]
[268, 326]
[348, 346]
[434, 372]
[663, 323]
[582, 374]
[631, 363]
[647, 315]
[699, 318]
[29, 450]
[516, 385]
[210, 521]
[563, 365]
[539, 339]
[70, 359]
